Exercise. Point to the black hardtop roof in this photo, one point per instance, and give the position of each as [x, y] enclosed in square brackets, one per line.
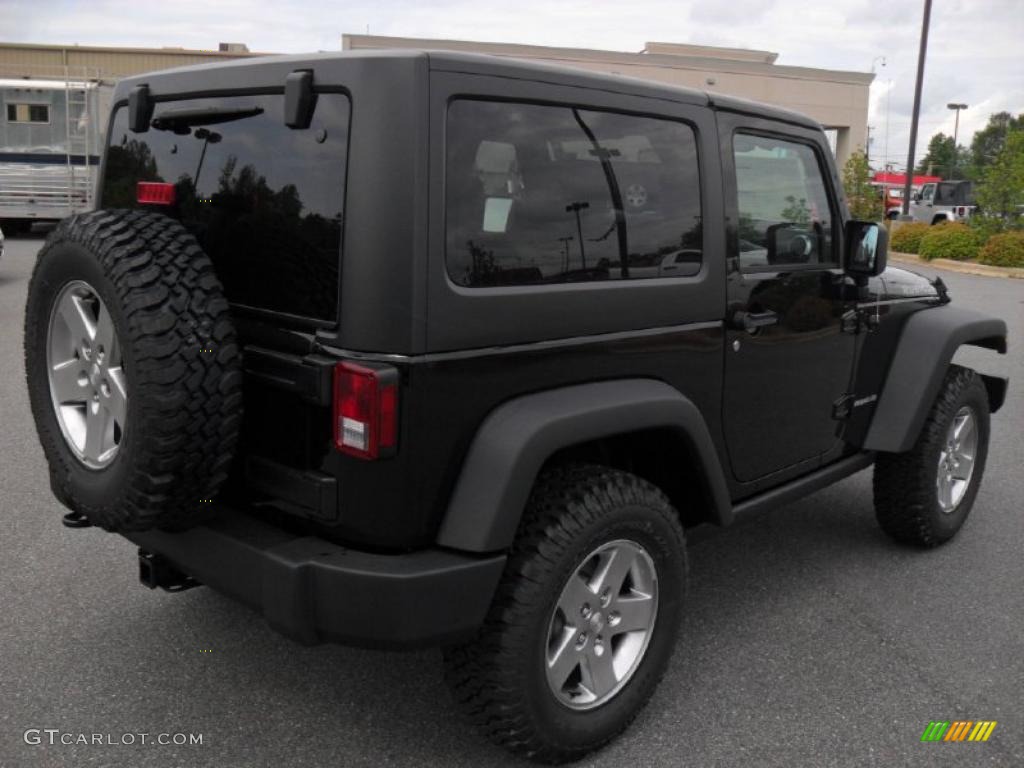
[270, 70]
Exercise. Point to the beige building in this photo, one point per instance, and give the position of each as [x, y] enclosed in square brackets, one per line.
[19, 60]
[836, 99]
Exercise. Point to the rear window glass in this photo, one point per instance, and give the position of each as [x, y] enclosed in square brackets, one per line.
[551, 194]
[945, 194]
[265, 202]
[954, 193]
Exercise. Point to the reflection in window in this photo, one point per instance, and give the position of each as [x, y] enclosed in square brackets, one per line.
[784, 214]
[270, 221]
[541, 194]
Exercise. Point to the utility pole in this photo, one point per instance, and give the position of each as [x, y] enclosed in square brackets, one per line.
[917, 106]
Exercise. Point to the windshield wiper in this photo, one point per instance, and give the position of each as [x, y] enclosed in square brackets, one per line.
[181, 121]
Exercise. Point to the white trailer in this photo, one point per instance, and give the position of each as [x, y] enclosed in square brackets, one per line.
[51, 135]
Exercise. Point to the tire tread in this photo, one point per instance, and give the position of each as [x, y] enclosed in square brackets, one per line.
[904, 483]
[188, 401]
[483, 674]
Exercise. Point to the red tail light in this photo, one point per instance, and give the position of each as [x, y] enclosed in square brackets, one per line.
[961, 211]
[155, 192]
[365, 410]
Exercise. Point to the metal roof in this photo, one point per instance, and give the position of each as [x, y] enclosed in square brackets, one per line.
[22, 82]
[483, 64]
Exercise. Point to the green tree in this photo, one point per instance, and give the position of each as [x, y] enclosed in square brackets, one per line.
[863, 199]
[797, 211]
[942, 158]
[1002, 188]
[987, 142]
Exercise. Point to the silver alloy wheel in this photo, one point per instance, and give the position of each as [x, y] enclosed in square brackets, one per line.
[601, 625]
[87, 381]
[956, 460]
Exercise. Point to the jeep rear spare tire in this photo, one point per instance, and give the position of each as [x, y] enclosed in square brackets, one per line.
[133, 370]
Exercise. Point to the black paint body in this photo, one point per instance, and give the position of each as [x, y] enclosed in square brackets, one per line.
[767, 397]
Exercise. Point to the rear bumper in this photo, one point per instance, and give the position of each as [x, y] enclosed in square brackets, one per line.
[314, 591]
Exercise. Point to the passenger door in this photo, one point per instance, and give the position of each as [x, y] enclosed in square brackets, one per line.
[787, 359]
[921, 204]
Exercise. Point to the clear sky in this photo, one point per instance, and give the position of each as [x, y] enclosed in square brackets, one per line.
[975, 52]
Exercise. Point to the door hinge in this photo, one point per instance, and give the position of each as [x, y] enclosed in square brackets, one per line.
[849, 322]
[843, 407]
[857, 320]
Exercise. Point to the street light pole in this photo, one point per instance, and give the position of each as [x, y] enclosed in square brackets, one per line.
[867, 141]
[956, 130]
[888, 94]
[576, 207]
[956, 122]
[565, 252]
[917, 106]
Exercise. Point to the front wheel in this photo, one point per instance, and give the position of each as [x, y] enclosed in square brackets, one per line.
[585, 618]
[923, 496]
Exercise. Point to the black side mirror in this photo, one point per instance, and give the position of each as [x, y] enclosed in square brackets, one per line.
[867, 245]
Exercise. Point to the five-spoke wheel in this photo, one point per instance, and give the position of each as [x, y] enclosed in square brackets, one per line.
[602, 624]
[956, 460]
[923, 496]
[584, 621]
[87, 380]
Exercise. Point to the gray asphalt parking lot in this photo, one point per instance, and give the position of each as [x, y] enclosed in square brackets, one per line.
[811, 639]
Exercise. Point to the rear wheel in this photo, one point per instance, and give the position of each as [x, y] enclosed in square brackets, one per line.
[923, 496]
[585, 619]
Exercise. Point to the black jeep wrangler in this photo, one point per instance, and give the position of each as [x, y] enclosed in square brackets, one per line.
[410, 349]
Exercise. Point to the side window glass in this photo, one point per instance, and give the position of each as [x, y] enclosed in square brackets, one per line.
[784, 213]
[28, 113]
[543, 194]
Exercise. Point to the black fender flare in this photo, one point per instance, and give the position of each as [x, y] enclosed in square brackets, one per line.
[516, 438]
[929, 339]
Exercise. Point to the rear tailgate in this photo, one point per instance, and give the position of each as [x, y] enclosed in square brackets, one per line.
[266, 204]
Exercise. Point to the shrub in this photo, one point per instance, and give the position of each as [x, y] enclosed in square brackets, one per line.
[1006, 250]
[951, 240]
[907, 237]
[863, 199]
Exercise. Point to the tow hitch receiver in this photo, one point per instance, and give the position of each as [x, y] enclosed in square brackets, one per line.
[156, 571]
